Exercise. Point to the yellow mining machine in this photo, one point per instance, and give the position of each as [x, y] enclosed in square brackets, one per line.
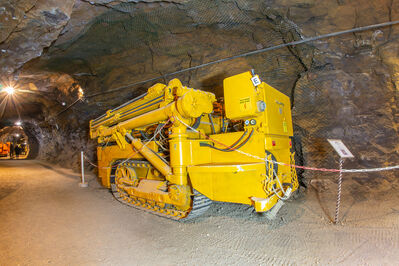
[5, 149]
[174, 150]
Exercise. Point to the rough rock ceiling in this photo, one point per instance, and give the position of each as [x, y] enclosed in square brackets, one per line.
[8, 133]
[95, 42]
[28, 29]
[29, 26]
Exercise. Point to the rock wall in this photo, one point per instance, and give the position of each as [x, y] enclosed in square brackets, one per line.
[61, 143]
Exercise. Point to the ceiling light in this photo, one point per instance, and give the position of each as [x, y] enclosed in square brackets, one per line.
[10, 90]
[18, 123]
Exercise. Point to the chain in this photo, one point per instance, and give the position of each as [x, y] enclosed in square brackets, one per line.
[294, 175]
[267, 183]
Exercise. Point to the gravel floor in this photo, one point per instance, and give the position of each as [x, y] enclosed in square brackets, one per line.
[45, 218]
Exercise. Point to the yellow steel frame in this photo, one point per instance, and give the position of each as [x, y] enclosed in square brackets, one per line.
[195, 161]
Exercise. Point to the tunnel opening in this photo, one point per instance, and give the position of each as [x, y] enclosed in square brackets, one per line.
[17, 144]
[33, 143]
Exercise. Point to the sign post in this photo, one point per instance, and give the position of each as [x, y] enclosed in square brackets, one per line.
[343, 153]
[83, 183]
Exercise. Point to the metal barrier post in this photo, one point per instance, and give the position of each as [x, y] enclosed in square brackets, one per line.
[343, 153]
[341, 162]
[82, 183]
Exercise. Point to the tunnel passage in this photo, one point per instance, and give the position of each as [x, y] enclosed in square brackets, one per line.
[16, 143]
[33, 142]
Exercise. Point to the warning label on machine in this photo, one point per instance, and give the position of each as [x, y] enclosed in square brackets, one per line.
[245, 104]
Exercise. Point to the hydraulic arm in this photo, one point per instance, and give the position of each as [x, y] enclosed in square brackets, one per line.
[174, 149]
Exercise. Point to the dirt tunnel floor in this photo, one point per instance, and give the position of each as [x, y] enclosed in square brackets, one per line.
[46, 218]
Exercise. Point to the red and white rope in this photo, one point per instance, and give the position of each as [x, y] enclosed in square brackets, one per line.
[296, 166]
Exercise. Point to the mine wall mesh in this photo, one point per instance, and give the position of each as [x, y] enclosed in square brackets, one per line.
[329, 100]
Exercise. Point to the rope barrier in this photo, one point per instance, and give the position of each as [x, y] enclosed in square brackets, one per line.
[388, 168]
[380, 169]
[90, 162]
[296, 166]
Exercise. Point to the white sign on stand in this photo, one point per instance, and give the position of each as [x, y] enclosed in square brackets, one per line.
[340, 148]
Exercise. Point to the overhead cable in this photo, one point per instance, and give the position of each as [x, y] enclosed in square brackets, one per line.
[305, 40]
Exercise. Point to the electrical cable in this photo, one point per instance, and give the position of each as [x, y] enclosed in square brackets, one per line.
[212, 125]
[244, 142]
[197, 122]
[230, 149]
[161, 138]
[225, 125]
[235, 143]
[69, 106]
[281, 187]
[145, 144]
[283, 45]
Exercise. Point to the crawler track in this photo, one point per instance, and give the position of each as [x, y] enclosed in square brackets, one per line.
[200, 203]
